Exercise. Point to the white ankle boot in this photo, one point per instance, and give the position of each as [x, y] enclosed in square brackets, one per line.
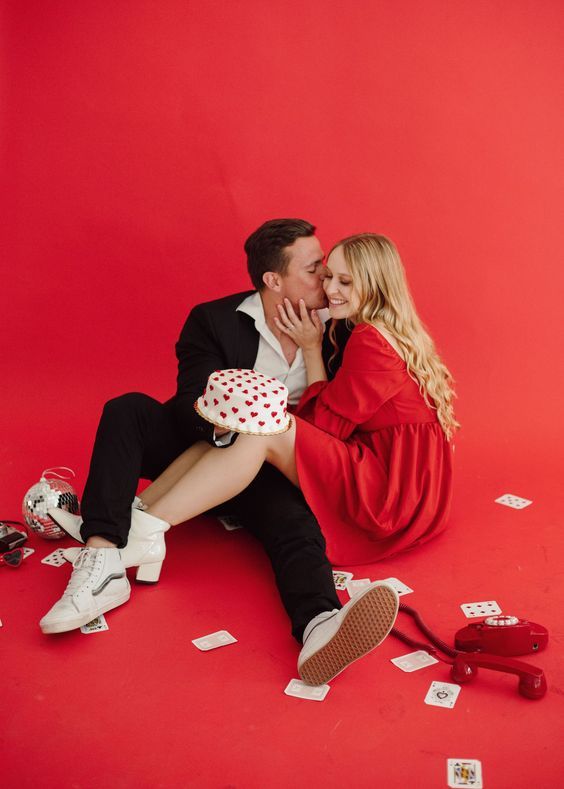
[145, 547]
[97, 584]
[334, 640]
[71, 524]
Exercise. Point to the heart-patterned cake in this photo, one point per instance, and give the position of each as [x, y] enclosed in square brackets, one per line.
[245, 401]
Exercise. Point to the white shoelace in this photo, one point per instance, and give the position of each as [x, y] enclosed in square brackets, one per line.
[83, 566]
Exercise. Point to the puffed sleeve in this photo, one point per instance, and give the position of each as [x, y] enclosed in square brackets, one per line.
[370, 375]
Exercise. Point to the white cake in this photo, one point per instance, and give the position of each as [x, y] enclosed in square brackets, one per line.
[245, 401]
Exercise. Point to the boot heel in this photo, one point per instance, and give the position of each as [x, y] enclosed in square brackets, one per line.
[148, 573]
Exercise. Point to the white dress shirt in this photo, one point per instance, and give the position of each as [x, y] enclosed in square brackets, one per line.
[270, 357]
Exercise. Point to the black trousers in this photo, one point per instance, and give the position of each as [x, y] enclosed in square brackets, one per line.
[137, 439]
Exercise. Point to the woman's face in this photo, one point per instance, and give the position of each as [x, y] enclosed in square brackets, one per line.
[337, 283]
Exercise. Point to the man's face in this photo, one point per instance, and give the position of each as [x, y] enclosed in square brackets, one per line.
[303, 277]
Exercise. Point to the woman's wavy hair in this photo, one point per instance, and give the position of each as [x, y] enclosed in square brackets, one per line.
[379, 280]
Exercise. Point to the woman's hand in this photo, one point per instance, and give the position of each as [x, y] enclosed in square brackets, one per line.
[306, 330]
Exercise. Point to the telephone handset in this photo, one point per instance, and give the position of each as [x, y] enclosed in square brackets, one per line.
[532, 682]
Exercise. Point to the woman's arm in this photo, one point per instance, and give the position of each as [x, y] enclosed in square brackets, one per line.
[306, 330]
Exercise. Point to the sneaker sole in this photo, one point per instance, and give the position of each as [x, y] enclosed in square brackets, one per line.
[74, 624]
[363, 627]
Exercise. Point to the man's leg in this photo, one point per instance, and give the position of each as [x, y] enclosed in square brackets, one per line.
[276, 513]
[136, 439]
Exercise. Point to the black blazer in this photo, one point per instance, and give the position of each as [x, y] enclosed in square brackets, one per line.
[216, 337]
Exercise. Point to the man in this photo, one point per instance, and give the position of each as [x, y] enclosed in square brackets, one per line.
[139, 437]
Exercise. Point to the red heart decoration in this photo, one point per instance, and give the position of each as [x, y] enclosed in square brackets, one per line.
[223, 415]
[230, 390]
[275, 391]
[263, 394]
[254, 413]
[281, 402]
[211, 387]
[206, 403]
[273, 414]
[226, 397]
[261, 424]
[255, 397]
[277, 421]
[242, 419]
[215, 402]
[244, 391]
[234, 410]
[255, 388]
[266, 405]
[248, 402]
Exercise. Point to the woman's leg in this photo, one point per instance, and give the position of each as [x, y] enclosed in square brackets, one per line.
[220, 474]
[170, 476]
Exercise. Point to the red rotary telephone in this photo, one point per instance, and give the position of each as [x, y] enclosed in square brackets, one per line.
[497, 635]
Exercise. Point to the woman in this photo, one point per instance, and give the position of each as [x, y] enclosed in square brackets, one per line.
[371, 449]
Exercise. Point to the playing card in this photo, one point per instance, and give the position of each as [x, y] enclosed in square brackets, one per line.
[464, 772]
[55, 559]
[516, 502]
[96, 625]
[442, 694]
[400, 587]
[219, 639]
[229, 523]
[341, 579]
[358, 585]
[311, 692]
[486, 608]
[414, 661]
[27, 552]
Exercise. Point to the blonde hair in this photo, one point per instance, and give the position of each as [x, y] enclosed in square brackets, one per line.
[379, 280]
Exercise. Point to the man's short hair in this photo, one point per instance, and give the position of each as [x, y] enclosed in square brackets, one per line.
[265, 247]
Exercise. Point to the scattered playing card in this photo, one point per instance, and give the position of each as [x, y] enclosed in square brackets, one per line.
[414, 661]
[513, 501]
[96, 625]
[442, 694]
[486, 608]
[400, 587]
[464, 772]
[229, 523]
[341, 579]
[214, 640]
[358, 585]
[55, 559]
[311, 692]
[28, 552]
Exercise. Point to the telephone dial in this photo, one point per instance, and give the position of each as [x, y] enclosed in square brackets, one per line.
[487, 644]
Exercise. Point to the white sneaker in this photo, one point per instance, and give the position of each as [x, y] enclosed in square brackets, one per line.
[145, 547]
[334, 641]
[98, 583]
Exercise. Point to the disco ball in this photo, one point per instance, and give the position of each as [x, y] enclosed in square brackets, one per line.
[43, 496]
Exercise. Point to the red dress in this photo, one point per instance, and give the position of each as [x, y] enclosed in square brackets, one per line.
[373, 462]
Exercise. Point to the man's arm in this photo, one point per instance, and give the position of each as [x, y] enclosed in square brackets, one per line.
[199, 353]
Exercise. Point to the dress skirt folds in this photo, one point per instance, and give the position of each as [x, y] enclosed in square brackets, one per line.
[373, 461]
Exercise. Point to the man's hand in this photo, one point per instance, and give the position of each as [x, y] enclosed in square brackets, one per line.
[221, 431]
[306, 330]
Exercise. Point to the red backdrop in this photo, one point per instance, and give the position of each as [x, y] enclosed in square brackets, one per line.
[142, 142]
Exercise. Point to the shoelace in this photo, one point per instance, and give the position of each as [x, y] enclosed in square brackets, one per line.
[83, 566]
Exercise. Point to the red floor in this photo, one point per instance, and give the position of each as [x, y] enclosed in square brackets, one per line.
[139, 706]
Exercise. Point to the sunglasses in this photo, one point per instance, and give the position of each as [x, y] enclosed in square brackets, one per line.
[12, 558]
